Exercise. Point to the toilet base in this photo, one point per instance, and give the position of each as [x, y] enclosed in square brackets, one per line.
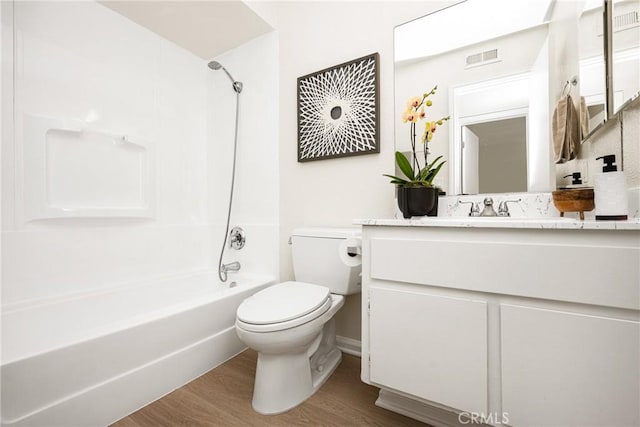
[283, 381]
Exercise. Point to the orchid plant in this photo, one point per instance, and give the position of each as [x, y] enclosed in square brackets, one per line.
[417, 176]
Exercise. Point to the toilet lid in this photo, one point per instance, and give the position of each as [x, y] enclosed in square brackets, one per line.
[282, 302]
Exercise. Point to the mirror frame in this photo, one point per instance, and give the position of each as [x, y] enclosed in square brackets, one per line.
[609, 65]
[608, 59]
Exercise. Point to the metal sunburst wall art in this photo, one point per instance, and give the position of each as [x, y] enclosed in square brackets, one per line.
[338, 111]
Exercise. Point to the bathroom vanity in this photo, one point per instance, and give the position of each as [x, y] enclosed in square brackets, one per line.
[503, 321]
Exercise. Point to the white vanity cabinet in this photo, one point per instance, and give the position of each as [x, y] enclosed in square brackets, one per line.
[519, 326]
[446, 358]
[568, 368]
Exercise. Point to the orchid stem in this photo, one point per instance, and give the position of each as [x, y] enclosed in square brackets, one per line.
[416, 165]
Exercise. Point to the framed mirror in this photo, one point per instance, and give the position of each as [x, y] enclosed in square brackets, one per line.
[592, 74]
[499, 83]
[625, 47]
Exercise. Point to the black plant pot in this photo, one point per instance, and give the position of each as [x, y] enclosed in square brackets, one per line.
[418, 201]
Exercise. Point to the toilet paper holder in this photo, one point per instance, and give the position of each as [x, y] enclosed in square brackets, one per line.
[354, 250]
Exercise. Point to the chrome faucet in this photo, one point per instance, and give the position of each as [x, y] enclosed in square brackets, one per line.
[503, 207]
[225, 268]
[475, 209]
[488, 208]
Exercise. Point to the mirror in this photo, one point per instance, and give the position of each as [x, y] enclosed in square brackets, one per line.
[625, 45]
[499, 83]
[592, 66]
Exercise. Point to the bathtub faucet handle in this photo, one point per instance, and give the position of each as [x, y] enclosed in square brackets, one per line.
[237, 238]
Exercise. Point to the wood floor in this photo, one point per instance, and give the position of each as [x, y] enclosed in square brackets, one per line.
[222, 397]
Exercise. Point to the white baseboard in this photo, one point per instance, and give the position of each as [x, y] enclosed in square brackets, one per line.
[349, 346]
[434, 416]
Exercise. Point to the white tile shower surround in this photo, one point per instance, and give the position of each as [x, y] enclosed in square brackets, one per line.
[156, 93]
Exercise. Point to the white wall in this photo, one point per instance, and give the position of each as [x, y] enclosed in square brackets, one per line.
[631, 150]
[2, 128]
[80, 60]
[314, 36]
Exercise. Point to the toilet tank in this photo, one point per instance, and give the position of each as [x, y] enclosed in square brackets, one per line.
[316, 259]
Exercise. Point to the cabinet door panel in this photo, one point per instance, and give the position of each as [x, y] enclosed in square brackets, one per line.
[569, 369]
[430, 346]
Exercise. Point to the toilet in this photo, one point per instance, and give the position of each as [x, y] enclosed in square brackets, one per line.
[291, 324]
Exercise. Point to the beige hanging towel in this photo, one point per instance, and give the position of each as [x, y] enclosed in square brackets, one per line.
[584, 118]
[566, 130]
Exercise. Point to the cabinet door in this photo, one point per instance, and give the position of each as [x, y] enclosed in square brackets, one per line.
[429, 346]
[569, 369]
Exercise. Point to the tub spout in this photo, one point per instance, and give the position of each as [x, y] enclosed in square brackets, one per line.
[225, 268]
[233, 266]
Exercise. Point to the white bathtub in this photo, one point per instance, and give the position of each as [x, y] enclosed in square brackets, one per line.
[92, 359]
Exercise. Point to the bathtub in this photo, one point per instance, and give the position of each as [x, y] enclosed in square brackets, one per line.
[92, 359]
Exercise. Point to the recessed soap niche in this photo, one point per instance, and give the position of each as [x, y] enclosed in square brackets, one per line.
[74, 172]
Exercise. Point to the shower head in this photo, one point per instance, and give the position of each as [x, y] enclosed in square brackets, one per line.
[215, 65]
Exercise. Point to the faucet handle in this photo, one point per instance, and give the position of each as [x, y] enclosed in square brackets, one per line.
[503, 207]
[474, 210]
[237, 238]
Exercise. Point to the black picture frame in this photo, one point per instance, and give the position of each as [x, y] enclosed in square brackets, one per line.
[338, 110]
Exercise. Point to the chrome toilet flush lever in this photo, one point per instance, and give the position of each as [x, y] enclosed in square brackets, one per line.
[237, 238]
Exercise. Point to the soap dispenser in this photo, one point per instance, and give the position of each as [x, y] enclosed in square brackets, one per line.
[610, 191]
[576, 179]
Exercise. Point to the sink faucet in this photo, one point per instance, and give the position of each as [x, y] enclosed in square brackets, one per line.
[488, 208]
[475, 209]
[503, 207]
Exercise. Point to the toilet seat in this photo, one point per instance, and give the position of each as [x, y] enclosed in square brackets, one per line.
[283, 306]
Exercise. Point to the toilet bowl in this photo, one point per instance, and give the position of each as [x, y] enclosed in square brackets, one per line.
[286, 373]
[291, 324]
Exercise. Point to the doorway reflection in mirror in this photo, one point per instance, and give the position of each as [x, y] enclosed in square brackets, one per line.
[487, 147]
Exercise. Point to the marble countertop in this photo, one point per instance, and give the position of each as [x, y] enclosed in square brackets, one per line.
[532, 211]
[500, 222]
